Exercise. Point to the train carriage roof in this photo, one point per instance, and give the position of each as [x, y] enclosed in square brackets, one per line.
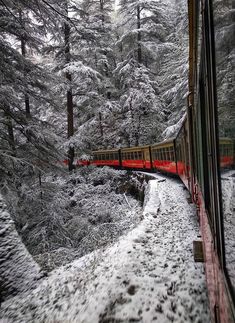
[137, 148]
[105, 151]
[164, 143]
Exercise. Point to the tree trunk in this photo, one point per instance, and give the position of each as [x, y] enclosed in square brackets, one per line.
[11, 137]
[102, 12]
[139, 36]
[23, 52]
[101, 126]
[70, 131]
[18, 271]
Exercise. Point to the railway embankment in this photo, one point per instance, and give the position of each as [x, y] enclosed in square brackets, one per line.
[148, 275]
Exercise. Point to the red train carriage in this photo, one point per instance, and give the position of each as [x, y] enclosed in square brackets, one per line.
[164, 157]
[226, 147]
[182, 154]
[106, 157]
[136, 157]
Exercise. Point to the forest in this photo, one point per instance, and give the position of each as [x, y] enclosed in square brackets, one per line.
[79, 75]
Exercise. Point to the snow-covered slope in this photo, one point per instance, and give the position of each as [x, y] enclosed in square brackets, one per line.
[149, 275]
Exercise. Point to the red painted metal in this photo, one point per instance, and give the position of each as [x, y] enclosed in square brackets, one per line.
[214, 275]
[165, 166]
[105, 162]
[226, 161]
[82, 163]
[136, 163]
[183, 171]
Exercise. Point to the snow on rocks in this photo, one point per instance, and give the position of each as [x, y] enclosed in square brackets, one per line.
[18, 270]
[149, 275]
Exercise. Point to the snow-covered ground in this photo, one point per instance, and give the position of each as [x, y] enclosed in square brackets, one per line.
[149, 275]
[228, 193]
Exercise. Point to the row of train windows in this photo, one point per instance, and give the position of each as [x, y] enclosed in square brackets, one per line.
[132, 155]
[226, 150]
[110, 156]
[163, 154]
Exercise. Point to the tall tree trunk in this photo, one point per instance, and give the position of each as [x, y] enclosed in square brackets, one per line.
[11, 137]
[18, 271]
[23, 52]
[102, 12]
[101, 125]
[70, 124]
[139, 36]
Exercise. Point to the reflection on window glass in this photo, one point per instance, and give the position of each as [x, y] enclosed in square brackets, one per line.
[225, 73]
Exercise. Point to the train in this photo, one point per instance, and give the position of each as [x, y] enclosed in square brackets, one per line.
[202, 153]
[168, 156]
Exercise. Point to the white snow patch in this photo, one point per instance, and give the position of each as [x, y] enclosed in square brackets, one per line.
[149, 275]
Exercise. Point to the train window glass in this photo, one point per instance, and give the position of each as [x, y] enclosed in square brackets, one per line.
[166, 153]
[169, 155]
[154, 153]
[163, 154]
[225, 77]
[157, 154]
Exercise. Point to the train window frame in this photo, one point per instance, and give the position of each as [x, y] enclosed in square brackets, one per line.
[224, 150]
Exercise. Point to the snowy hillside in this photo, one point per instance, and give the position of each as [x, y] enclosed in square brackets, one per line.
[149, 275]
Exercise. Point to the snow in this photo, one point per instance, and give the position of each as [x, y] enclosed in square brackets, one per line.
[18, 271]
[149, 275]
[228, 193]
